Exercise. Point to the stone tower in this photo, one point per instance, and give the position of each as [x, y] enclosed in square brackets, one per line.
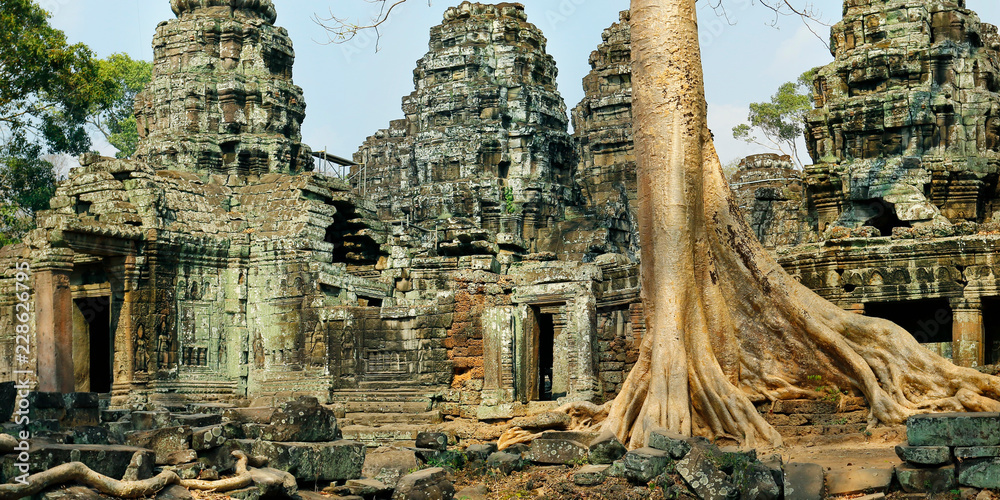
[222, 98]
[602, 127]
[484, 135]
[907, 120]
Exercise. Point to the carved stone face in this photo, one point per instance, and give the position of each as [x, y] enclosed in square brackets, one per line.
[264, 8]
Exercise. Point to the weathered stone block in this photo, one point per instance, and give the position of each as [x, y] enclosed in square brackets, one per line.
[432, 440]
[803, 481]
[965, 453]
[302, 420]
[113, 415]
[274, 483]
[557, 451]
[427, 484]
[81, 400]
[480, 451]
[389, 464]
[506, 462]
[924, 455]
[90, 435]
[643, 465]
[845, 482]
[8, 396]
[676, 445]
[162, 441]
[925, 480]
[704, 477]
[757, 481]
[983, 473]
[954, 429]
[368, 488]
[198, 419]
[149, 420]
[606, 449]
[205, 438]
[332, 461]
[590, 475]
[76, 417]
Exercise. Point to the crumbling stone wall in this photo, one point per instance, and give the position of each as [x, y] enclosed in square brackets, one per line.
[771, 194]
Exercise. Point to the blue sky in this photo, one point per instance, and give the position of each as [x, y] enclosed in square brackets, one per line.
[351, 90]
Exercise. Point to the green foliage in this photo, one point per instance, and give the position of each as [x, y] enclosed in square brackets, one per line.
[781, 121]
[508, 201]
[120, 78]
[46, 84]
[27, 182]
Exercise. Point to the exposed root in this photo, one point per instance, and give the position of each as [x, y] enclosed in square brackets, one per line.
[78, 472]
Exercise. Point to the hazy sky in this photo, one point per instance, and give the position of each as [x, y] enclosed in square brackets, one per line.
[351, 90]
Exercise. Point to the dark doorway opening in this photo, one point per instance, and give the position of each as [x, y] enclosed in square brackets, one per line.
[546, 342]
[96, 313]
[885, 218]
[991, 330]
[928, 320]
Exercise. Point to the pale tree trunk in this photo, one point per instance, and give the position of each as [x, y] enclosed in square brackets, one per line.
[726, 326]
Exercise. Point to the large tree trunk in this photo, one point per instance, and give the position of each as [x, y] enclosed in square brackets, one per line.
[726, 326]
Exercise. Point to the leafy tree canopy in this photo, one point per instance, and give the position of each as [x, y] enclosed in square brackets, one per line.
[777, 124]
[113, 112]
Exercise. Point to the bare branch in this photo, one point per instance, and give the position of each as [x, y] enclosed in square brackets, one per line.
[343, 29]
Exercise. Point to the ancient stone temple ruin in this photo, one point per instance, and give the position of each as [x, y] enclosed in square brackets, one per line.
[897, 218]
[480, 262]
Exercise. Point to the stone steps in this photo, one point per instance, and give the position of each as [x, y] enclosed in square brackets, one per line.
[372, 395]
[372, 419]
[411, 407]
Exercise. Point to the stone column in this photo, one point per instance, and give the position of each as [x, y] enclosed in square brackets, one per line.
[54, 321]
[967, 332]
[123, 275]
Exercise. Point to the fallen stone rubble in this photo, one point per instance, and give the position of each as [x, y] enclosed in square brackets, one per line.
[296, 447]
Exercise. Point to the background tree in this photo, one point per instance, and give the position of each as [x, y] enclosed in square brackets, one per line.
[47, 89]
[113, 111]
[726, 326]
[780, 122]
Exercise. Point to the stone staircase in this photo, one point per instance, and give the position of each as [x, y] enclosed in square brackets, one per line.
[378, 416]
[818, 421]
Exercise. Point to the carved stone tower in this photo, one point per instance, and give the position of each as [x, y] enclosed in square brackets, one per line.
[222, 98]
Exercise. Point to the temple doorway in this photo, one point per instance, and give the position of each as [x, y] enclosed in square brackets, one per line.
[93, 347]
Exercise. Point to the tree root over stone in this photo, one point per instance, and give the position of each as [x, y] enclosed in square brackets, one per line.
[79, 472]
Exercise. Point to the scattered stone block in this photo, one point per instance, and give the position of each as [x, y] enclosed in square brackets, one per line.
[252, 415]
[605, 449]
[150, 420]
[452, 459]
[480, 451]
[676, 445]
[162, 441]
[803, 481]
[332, 461]
[303, 420]
[984, 473]
[643, 465]
[428, 484]
[90, 435]
[954, 429]
[199, 419]
[557, 451]
[222, 457]
[704, 477]
[179, 457]
[590, 475]
[368, 488]
[924, 455]
[206, 438]
[846, 482]
[432, 440]
[186, 471]
[924, 479]
[388, 464]
[757, 481]
[78, 417]
[274, 483]
[505, 462]
[965, 453]
[108, 416]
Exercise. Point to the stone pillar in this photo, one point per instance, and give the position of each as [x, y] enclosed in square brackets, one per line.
[123, 276]
[54, 321]
[967, 332]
